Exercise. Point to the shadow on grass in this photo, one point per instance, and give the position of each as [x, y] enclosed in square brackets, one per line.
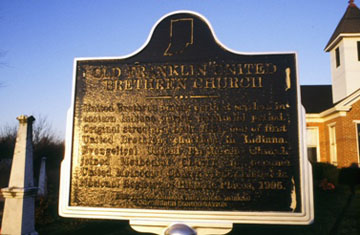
[87, 227]
[328, 207]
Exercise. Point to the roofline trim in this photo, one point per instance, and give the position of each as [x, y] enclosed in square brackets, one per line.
[335, 109]
[318, 118]
[350, 100]
[331, 45]
[339, 109]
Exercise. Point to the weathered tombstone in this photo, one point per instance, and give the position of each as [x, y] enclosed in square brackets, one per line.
[42, 183]
[19, 210]
[185, 131]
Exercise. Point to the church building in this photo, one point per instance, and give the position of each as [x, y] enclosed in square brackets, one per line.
[333, 111]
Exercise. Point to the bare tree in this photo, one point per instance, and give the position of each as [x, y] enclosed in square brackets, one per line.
[44, 138]
[42, 131]
[7, 141]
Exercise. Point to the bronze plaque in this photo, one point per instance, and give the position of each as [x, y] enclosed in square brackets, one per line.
[185, 124]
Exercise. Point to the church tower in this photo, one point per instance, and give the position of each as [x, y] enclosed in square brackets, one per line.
[344, 48]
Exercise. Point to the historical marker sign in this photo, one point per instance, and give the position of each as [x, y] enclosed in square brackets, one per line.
[187, 129]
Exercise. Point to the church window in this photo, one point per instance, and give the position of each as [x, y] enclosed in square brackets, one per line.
[358, 138]
[358, 49]
[312, 142]
[332, 140]
[337, 57]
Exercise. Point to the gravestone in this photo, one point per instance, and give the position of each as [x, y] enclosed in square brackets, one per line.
[42, 182]
[19, 209]
[187, 131]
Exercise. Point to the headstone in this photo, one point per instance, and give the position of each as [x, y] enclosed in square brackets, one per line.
[42, 185]
[19, 210]
[187, 131]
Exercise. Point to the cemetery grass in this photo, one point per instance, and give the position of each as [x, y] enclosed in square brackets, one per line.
[330, 218]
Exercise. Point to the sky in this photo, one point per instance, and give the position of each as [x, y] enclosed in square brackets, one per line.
[39, 40]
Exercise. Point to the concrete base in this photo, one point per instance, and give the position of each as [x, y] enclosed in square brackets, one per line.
[14, 209]
[19, 211]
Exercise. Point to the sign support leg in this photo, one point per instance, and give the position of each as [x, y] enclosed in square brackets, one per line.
[180, 229]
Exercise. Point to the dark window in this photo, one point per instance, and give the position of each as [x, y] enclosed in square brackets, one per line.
[337, 57]
[312, 154]
[358, 47]
[358, 134]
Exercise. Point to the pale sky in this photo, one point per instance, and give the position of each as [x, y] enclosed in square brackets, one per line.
[39, 40]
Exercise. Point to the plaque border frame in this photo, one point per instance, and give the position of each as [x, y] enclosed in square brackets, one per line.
[164, 218]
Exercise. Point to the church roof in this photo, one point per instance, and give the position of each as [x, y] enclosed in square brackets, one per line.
[316, 98]
[349, 23]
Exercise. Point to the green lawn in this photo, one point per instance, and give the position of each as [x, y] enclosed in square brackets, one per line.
[329, 206]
